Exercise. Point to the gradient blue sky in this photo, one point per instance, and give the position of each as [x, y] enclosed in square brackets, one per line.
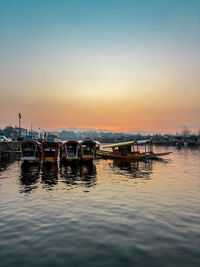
[114, 64]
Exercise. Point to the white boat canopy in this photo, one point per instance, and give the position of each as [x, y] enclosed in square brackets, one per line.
[128, 143]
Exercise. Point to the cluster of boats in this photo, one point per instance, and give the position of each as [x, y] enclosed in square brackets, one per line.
[49, 151]
[87, 150]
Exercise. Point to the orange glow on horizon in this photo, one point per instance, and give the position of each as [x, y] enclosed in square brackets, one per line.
[104, 69]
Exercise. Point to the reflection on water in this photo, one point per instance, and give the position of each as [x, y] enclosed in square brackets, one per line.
[49, 175]
[4, 164]
[78, 175]
[134, 169]
[139, 213]
[29, 177]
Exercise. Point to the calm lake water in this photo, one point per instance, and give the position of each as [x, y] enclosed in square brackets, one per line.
[113, 213]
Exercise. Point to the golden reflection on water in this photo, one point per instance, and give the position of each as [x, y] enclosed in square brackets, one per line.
[78, 175]
[135, 169]
[49, 176]
[71, 176]
[131, 208]
[29, 177]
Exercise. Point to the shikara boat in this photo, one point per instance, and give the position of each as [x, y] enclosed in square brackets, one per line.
[50, 151]
[31, 151]
[87, 150]
[130, 150]
[69, 151]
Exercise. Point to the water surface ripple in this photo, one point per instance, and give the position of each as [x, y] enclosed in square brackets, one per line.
[110, 213]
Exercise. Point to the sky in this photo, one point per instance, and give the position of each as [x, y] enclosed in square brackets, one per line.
[120, 65]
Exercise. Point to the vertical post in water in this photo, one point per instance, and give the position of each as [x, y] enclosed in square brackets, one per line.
[19, 116]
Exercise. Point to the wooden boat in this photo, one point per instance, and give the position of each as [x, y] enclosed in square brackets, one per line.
[50, 151]
[31, 151]
[69, 151]
[87, 150]
[130, 151]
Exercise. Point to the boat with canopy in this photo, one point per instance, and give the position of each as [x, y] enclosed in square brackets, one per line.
[69, 151]
[87, 149]
[50, 151]
[130, 150]
[31, 151]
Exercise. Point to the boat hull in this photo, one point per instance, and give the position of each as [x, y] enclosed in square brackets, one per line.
[51, 160]
[87, 158]
[68, 161]
[136, 156]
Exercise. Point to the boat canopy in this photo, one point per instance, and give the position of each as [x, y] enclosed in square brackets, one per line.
[88, 142]
[30, 143]
[128, 143]
[71, 142]
[46, 144]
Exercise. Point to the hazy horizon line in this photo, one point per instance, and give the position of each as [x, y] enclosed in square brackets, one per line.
[171, 130]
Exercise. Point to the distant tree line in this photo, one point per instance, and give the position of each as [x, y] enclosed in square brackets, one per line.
[13, 133]
[70, 135]
[9, 132]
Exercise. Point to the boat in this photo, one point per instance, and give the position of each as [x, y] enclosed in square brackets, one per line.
[50, 151]
[31, 151]
[87, 150]
[69, 151]
[130, 151]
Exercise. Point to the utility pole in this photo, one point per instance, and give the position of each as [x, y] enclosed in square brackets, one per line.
[19, 116]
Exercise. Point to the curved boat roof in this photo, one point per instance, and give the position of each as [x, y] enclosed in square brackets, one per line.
[50, 144]
[71, 142]
[87, 141]
[127, 143]
[30, 142]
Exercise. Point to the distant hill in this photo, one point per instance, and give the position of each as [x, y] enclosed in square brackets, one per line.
[79, 130]
[143, 133]
[84, 130]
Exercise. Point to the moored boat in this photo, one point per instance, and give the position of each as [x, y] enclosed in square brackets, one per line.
[87, 149]
[69, 151]
[50, 151]
[130, 150]
[30, 151]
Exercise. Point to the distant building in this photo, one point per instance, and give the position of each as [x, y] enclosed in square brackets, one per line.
[21, 131]
[34, 134]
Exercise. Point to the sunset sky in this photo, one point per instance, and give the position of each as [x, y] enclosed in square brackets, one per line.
[107, 64]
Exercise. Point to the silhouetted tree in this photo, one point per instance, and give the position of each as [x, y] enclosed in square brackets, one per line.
[185, 131]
